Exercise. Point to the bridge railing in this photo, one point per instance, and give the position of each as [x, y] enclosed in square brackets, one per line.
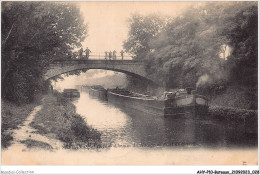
[101, 55]
[64, 62]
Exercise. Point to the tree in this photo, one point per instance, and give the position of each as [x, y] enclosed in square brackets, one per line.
[33, 34]
[142, 30]
[241, 31]
[187, 50]
[188, 47]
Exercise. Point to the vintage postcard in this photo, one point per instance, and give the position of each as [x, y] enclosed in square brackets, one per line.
[129, 83]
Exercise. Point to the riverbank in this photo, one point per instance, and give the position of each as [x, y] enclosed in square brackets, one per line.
[13, 116]
[235, 97]
[58, 120]
[248, 118]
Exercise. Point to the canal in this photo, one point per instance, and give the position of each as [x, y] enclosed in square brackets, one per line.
[122, 127]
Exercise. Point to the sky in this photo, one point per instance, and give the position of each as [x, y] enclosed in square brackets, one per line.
[107, 21]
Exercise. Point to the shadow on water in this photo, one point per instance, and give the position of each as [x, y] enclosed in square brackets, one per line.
[135, 128]
[159, 131]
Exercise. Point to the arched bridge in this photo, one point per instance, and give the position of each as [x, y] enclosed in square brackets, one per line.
[130, 67]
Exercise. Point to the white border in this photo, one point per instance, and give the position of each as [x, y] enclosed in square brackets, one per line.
[12, 169]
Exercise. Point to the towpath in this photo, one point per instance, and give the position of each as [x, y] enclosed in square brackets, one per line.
[26, 137]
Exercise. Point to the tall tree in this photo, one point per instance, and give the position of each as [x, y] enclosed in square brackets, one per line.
[142, 30]
[187, 49]
[33, 34]
[241, 30]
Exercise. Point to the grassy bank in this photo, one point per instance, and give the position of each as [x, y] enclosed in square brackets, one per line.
[30, 143]
[236, 97]
[236, 104]
[229, 113]
[12, 116]
[58, 119]
[249, 118]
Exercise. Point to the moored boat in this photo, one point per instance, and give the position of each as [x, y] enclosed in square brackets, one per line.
[71, 93]
[180, 102]
[98, 91]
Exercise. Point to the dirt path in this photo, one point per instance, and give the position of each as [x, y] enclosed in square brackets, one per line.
[26, 137]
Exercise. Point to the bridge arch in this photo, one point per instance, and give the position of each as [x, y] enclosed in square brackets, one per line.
[129, 67]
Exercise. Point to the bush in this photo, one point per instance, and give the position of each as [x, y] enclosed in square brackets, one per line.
[6, 139]
[243, 117]
[60, 99]
[74, 130]
[226, 113]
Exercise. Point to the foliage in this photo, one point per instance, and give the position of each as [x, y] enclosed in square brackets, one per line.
[142, 29]
[33, 34]
[227, 113]
[238, 117]
[233, 96]
[189, 48]
[186, 50]
[242, 35]
[30, 143]
[75, 132]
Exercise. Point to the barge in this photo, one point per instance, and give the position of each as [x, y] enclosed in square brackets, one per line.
[98, 91]
[71, 93]
[180, 102]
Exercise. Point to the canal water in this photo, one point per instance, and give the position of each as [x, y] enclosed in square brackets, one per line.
[120, 127]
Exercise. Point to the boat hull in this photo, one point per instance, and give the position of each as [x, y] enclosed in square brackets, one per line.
[71, 93]
[180, 106]
[154, 107]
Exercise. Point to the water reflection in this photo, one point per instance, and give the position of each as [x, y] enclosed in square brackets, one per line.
[127, 127]
[110, 121]
[99, 114]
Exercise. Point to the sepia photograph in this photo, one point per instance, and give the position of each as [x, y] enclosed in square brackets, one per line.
[129, 83]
